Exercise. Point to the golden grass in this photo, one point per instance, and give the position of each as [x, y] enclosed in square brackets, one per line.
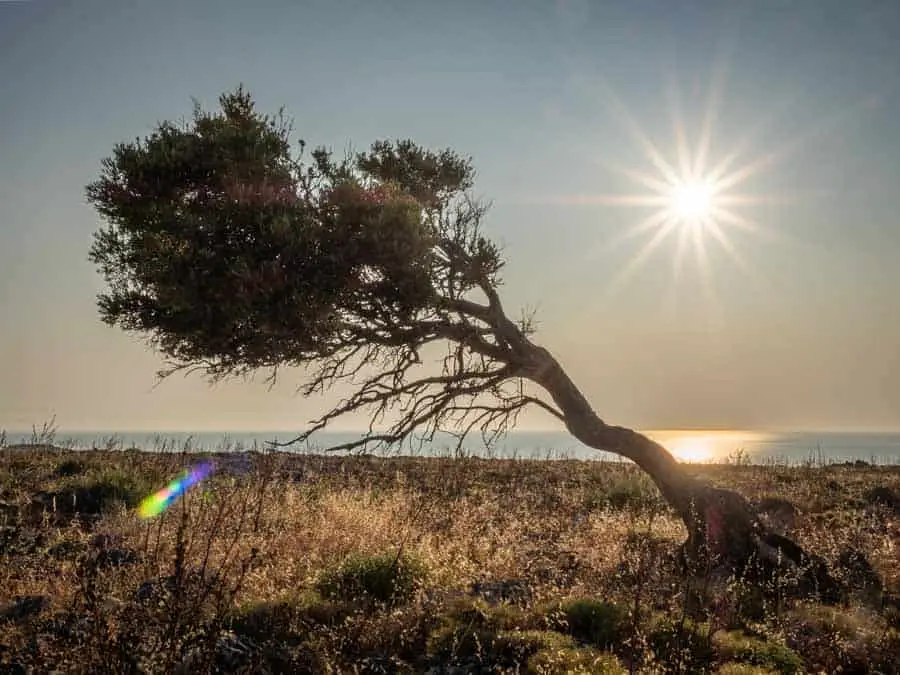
[563, 528]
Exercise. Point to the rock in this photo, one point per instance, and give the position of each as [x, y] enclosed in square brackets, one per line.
[234, 651]
[24, 607]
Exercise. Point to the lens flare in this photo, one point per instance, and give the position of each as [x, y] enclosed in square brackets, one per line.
[159, 501]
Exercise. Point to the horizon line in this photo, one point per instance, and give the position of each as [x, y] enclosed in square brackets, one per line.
[296, 432]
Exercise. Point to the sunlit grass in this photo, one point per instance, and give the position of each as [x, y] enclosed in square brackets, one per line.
[259, 546]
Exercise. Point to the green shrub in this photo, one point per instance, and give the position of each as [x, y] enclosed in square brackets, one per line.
[632, 492]
[68, 468]
[471, 645]
[95, 493]
[471, 631]
[567, 660]
[681, 646]
[477, 612]
[743, 669]
[263, 621]
[455, 643]
[384, 577]
[596, 622]
[737, 646]
[290, 615]
[517, 647]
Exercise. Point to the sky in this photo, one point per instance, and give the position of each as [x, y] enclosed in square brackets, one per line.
[791, 323]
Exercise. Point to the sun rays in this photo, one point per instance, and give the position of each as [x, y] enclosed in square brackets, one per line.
[696, 202]
[690, 197]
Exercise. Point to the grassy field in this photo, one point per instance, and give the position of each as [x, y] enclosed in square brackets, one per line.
[315, 564]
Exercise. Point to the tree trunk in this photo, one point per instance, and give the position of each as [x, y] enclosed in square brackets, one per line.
[724, 532]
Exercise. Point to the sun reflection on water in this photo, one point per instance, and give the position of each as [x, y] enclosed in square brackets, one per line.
[704, 446]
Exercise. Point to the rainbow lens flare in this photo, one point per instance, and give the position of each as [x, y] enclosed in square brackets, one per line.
[160, 501]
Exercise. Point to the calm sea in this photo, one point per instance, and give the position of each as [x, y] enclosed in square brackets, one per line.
[695, 446]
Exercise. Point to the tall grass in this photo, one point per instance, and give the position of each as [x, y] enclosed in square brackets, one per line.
[309, 563]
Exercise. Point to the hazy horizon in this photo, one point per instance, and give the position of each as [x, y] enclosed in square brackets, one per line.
[781, 317]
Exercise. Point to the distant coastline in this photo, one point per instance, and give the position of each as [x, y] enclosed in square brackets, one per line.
[694, 445]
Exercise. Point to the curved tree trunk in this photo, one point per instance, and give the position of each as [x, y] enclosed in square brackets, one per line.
[724, 532]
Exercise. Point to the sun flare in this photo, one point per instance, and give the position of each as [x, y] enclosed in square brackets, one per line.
[697, 200]
[692, 448]
[692, 201]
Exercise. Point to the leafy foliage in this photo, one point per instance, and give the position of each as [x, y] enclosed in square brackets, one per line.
[232, 253]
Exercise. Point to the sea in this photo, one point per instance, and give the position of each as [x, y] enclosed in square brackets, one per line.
[705, 446]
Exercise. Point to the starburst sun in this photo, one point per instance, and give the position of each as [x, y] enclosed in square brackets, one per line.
[694, 195]
[692, 201]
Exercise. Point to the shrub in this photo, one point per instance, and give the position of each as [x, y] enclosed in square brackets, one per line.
[596, 622]
[517, 647]
[266, 621]
[738, 646]
[479, 645]
[384, 577]
[681, 646]
[261, 621]
[633, 492]
[743, 669]
[847, 638]
[470, 633]
[68, 468]
[579, 661]
[96, 493]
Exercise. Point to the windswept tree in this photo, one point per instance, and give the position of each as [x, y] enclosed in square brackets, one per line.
[234, 254]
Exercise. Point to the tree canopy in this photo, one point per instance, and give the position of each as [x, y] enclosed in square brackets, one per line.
[232, 252]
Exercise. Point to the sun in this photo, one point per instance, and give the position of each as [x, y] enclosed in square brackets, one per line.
[697, 199]
[692, 201]
[692, 448]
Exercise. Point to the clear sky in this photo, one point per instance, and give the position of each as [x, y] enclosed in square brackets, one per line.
[805, 333]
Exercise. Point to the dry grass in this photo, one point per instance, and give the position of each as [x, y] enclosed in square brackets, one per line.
[227, 578]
